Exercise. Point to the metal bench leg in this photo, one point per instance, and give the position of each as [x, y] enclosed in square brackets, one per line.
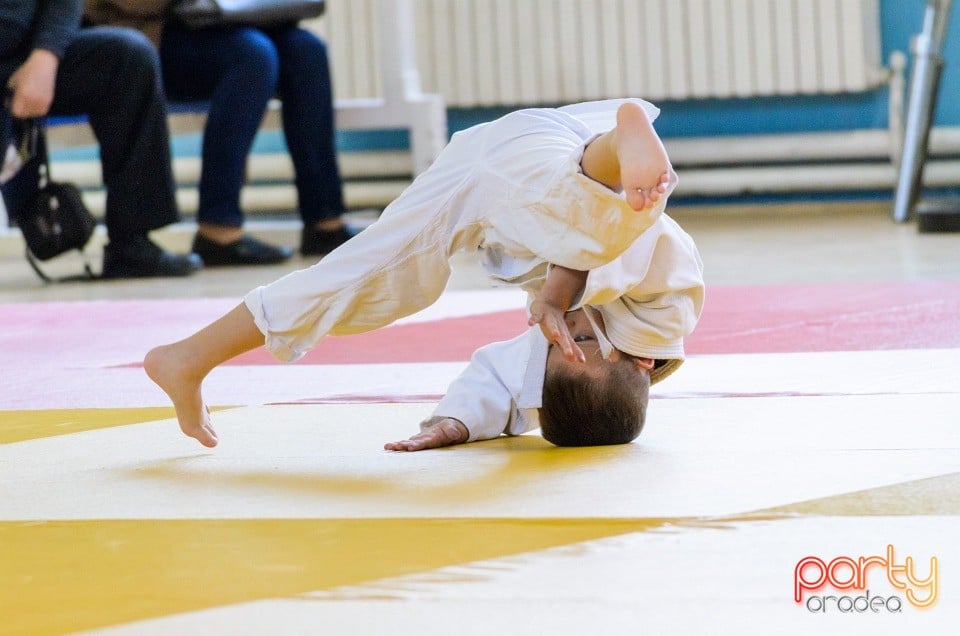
[403, 105]
[927, 67]
[428, 132]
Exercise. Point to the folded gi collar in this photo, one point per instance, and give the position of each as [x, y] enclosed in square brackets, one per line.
[531, 392]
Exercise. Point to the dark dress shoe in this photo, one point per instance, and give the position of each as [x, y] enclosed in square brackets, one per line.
[246, 250]
[138, 257]
[319, 242]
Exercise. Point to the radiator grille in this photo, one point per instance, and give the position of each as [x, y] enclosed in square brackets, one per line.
[519, 52]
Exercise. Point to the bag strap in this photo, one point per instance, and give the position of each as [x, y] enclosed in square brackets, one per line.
[87, 274]
[38, 143]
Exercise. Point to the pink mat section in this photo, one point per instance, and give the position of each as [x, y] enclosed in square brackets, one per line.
[754, 319]
[87, 354]
[95, 334]
[860, 317]
[447, 340]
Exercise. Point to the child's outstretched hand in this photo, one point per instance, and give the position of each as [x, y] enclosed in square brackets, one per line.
[554, 328]
[446, 432]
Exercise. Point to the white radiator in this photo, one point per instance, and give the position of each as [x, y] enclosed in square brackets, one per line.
[512, 52]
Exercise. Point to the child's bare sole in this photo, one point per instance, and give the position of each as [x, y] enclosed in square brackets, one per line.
[164, 367]
[644, 165]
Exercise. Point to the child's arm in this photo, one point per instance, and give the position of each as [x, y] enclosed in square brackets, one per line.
[562, 287]
[480, 402]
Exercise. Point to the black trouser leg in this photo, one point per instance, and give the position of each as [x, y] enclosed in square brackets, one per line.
[112, 76]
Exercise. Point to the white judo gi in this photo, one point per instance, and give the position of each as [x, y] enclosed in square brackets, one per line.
[513, 191]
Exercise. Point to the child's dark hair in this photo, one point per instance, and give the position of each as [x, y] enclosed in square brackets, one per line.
[581, 410]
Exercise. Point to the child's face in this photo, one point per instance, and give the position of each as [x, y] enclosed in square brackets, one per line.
[586, 339]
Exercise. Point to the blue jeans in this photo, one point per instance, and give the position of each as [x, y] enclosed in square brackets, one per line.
[238, 70]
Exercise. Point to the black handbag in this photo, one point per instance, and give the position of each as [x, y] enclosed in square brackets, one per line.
[51, 216]
[199, 14]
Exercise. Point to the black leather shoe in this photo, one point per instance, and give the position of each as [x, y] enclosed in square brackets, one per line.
[319, 242]
[244, 251]
[138, 257]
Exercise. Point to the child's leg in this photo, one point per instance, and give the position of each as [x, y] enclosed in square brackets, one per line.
[179, 368]
[630, 157]
[392, 269]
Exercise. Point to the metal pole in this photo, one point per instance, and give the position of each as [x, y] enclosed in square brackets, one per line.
[4, 219]
[927, 66]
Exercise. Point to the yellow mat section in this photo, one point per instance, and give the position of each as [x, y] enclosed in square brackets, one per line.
[19, 426]
[66, 576]
[932, 496]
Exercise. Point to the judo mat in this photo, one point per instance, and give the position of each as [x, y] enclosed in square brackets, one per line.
[809, 449]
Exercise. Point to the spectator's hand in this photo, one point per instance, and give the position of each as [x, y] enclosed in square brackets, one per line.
[554, 328]
[33, 85]
[446, 432]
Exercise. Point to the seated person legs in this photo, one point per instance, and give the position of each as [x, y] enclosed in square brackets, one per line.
[112, 76]
[306, 91]
[236, 70]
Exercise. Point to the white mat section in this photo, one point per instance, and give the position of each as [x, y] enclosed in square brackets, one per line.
[825, 373]
[454, 304]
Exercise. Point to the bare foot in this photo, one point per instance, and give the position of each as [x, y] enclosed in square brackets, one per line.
[446, 432]
[644, 165]
[169, 369]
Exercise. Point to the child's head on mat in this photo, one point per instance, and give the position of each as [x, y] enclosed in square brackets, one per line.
[597, 402]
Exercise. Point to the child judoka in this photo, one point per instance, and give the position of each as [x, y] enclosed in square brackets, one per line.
[543, 196]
